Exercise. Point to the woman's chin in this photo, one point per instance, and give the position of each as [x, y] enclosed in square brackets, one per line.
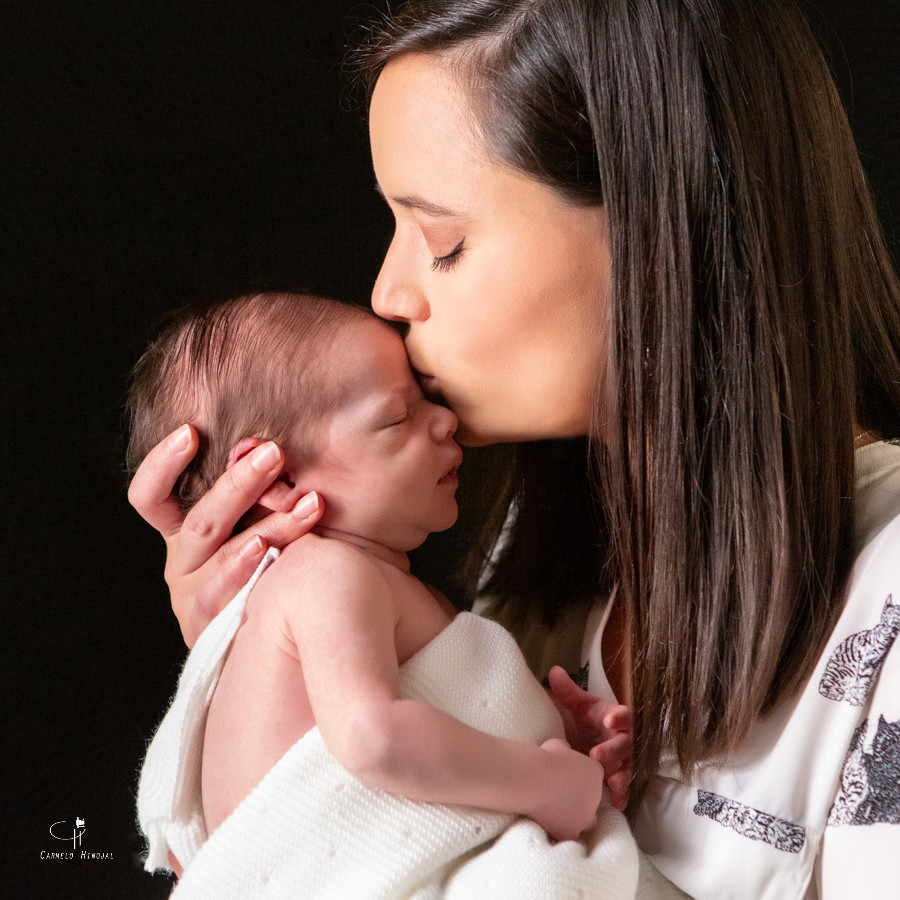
[476, 437]
[470, 437]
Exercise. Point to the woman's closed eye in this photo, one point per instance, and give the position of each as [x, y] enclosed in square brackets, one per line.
[447, 262]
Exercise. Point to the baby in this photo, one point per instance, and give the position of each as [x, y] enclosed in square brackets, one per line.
[329, 627]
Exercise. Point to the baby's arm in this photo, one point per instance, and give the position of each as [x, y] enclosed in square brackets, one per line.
[343, 624]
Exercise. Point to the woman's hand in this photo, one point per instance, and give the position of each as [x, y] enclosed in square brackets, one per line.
[205, 566]
[599, 728]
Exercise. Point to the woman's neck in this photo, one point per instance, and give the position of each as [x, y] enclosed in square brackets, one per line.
[862, 438]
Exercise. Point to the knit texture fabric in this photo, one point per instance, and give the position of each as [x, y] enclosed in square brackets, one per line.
[309, 829]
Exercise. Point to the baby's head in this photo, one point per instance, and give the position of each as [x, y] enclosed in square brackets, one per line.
[252, 366]
[329, 383]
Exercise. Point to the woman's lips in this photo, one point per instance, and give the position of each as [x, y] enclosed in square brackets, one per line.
[431, 388]
[425, 379]
[428, 382]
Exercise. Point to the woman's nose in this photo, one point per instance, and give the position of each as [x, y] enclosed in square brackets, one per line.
[397, 296]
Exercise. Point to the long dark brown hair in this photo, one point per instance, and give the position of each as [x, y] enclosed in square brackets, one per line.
[756, 318]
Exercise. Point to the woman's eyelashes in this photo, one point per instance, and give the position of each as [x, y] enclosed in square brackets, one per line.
[447, 262]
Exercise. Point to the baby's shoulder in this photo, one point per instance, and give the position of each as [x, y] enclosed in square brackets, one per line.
[318, 562]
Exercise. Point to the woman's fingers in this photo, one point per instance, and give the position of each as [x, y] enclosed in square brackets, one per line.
[279, 529]
[209, 523]
[205, 565]
[150, 491]
[199, 596]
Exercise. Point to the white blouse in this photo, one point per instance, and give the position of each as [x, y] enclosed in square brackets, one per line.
[810, 807]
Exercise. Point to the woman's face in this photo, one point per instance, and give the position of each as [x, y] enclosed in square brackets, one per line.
[504, 284]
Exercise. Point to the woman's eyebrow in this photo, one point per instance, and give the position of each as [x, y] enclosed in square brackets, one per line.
[419, 203]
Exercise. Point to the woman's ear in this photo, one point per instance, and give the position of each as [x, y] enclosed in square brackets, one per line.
[282, 494]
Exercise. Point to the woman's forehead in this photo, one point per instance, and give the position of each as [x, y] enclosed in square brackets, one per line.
[421, 130]
[430, 157]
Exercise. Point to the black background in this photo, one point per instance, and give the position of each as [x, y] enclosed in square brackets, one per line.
[154, 154]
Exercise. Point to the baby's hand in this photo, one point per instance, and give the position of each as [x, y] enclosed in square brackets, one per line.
[600, 728]
[573, 792]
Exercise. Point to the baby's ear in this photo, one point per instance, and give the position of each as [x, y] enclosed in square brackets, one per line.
[241, 449]
[282, 494]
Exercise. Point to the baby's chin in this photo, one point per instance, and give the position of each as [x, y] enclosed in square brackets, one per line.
[413, 542]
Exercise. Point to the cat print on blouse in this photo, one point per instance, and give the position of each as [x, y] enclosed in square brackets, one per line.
[854, 665]
[870, 781]
[751, 823]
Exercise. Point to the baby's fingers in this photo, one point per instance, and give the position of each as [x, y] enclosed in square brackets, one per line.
[619, 785]
[614, 753]
[619, 718]
[567, 692]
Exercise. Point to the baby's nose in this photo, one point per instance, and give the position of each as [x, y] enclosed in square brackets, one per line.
[445, 423]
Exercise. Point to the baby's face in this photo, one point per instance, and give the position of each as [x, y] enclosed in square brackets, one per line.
[387, 462]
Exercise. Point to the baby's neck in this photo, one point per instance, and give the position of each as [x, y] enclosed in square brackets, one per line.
[396, 558]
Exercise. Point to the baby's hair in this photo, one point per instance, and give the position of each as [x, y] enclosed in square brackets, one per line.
[254, 366]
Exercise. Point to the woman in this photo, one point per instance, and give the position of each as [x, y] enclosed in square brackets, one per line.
[645, 223]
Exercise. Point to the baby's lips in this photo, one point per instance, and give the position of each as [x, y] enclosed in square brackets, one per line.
[458, 462]
[453, 468]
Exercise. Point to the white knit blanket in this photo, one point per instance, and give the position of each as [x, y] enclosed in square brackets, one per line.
[309, 829]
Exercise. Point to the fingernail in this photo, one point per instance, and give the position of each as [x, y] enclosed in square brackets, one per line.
[306, 506]
[255, 547]
[265, 457]
[180, 439]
